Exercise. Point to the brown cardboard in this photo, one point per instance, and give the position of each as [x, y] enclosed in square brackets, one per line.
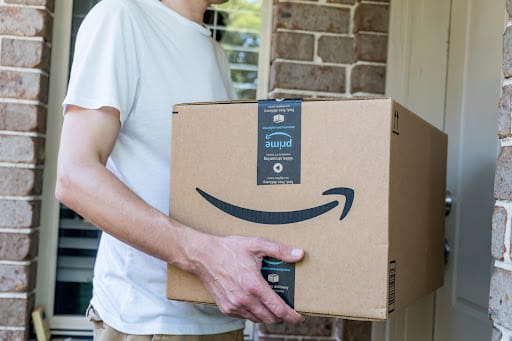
[388, 250]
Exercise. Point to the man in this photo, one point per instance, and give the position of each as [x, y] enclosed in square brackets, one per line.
[133, 60]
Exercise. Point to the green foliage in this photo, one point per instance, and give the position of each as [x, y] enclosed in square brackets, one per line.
[239, 34]
[241, 15]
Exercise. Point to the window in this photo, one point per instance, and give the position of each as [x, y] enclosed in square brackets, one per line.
[77, 240]
[68, 243]
[236, 25]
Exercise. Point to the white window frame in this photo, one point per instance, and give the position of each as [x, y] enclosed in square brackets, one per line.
[49, 232]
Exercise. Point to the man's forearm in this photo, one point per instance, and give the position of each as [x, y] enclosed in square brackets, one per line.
[110, 205]
[85, 185]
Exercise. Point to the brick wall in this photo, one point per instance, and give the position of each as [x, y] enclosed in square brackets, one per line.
[500, 304]
[327, 48]
[25, 32]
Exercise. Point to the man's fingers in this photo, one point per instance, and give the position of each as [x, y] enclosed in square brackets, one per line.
[275, 304]
[243, 304]
[241, 313]
[258, 303]
[282, 311]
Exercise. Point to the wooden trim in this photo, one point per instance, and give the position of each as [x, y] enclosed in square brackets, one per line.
[265, 46]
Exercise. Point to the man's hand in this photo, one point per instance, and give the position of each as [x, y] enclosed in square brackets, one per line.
[230, 268]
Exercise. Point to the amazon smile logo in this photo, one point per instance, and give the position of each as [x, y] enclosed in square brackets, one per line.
[286, 217]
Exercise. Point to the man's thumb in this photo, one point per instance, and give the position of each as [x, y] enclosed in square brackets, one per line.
[297, 253]
[285, 253]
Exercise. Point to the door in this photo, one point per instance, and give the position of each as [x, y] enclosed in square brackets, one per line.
[473, 90]
[444, 63]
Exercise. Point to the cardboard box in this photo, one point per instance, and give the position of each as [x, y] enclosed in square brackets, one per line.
[359, 184]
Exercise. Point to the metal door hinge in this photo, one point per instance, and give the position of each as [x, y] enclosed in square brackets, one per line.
[448, 203]
[447, 251]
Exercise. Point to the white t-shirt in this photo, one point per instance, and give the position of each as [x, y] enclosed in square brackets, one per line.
[141, 57]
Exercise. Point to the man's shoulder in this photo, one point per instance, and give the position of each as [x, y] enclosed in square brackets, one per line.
[124, 14]
[114, 8]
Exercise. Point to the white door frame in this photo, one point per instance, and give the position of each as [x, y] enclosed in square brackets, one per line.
[49, 232]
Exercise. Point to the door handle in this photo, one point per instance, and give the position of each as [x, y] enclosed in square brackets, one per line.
[448, 203]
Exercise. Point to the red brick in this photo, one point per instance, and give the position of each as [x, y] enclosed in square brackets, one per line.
[371, 18]
[18, 246]
[496, 335]
[505, 112]
[503, 178]
[15, 312]
[499, 220]
[19, 213]
[307, 77]
[349, 330]
[297, 16]
[368, 79]
[371, 47]
[25, 53]
[25, 21]
[24, 85]
[312, 326]
[507, 52]
[14, 335]
[336, 49]
[22, 117]
[50, 4]
[25, 149]
[17, 278]
[296, 46]
[20, 181]
[500, 299]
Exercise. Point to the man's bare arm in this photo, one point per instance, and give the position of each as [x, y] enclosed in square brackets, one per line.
[86, 186]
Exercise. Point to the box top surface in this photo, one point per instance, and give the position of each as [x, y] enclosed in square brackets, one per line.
[333, 99]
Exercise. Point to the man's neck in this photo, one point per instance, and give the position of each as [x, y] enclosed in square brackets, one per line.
[191, 9]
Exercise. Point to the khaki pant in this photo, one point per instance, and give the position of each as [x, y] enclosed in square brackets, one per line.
[103, 332]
